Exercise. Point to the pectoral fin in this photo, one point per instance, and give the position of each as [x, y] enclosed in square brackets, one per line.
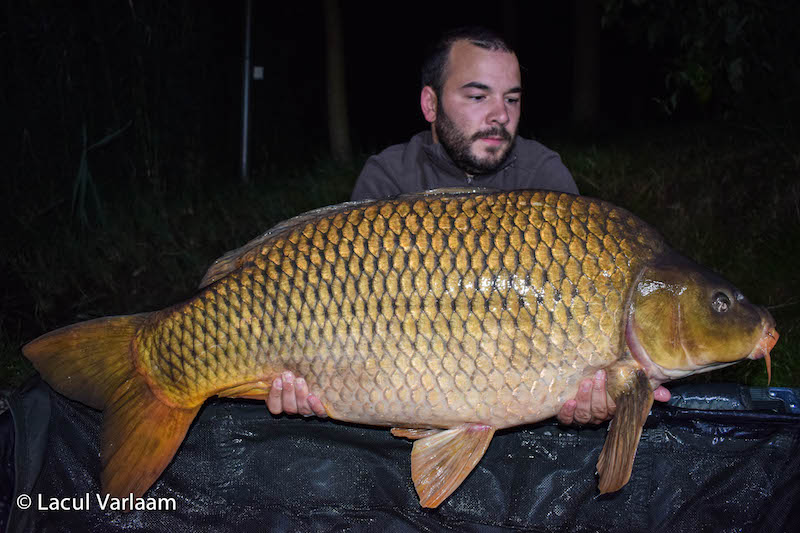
[634, 398]
[440, 461]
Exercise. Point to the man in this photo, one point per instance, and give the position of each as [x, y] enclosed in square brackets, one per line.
[471, 96]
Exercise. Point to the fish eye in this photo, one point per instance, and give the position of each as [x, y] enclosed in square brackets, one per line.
[720, 302]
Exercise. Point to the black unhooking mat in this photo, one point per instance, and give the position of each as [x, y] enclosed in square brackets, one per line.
[242, 470]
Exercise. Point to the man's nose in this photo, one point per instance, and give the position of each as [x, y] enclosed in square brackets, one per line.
[498, 113]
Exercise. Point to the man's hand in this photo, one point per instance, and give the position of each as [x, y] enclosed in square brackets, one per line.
[289, 395]
[593, 405]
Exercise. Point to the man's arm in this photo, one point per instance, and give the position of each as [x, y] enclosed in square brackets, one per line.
[551, 174]
[374, 182]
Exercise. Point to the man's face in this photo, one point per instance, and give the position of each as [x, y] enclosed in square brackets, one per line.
[479, 107]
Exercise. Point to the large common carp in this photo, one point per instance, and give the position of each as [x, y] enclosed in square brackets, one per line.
[446, 315]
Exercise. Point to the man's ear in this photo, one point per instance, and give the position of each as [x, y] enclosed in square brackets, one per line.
[428, 101]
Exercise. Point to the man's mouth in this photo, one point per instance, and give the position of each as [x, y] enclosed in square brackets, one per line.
[492, 136]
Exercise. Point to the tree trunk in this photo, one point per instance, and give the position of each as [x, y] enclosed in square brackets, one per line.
[338, 124]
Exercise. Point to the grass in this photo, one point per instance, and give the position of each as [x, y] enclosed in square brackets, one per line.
[726, 196]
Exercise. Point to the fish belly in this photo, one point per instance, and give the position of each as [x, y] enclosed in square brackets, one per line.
[503, 403]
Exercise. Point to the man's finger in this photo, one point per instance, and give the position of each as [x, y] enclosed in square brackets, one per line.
[288, 397]
[583, 413]
[274, 403]
[317, 406]
[599, 409]
[301, 396]
[567, 413]
[661, 394]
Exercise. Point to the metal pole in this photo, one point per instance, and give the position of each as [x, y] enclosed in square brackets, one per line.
[247, 74]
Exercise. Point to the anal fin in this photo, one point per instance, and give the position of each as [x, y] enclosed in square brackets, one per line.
[414, 433]
[441, 460]
[634, 398]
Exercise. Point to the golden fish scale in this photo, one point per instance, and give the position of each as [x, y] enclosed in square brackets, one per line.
[424, 310]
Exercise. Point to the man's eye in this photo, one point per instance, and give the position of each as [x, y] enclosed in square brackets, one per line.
[512, 100]
[477, 97]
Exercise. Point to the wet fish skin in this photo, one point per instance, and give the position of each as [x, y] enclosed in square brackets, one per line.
[429, 310]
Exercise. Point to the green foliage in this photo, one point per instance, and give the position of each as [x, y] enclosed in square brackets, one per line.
[716, 53]
[77, 72]
[84, 190]
[14, 369]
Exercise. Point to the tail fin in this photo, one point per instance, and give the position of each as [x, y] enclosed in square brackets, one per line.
[88, 361]
[92, 362]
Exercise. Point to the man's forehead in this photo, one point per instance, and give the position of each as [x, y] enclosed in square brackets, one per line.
[471, 64]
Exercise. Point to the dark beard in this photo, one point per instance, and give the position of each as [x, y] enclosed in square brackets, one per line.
[457, 145]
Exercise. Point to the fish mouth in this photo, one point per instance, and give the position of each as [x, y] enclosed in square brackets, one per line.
[762, 348]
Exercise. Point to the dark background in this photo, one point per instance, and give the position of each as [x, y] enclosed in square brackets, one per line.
[121, 125]
[172, 70]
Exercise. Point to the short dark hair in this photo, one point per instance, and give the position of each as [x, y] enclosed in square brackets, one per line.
[435, 63]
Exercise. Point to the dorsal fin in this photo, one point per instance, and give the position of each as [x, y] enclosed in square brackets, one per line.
[444, 191]
[234, 259]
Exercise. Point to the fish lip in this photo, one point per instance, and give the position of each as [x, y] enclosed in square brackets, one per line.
[768, 340]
